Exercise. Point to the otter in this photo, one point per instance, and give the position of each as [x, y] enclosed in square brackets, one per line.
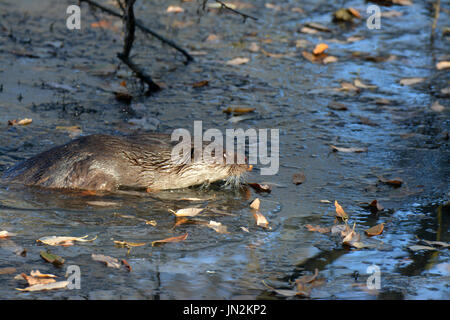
[103, 162]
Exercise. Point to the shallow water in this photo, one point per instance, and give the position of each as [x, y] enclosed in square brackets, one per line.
[404, 139]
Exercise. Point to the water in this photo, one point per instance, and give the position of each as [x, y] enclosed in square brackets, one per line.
[404, 139]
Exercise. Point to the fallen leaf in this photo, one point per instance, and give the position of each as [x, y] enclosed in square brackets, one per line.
[6, 234]
[238, 110]
[187, 212]
[244, 229]
[436, 243]
[109, 261]
[354, 12]
[52, 258]
[237, 61]
[353, 149]
[254, 47]
[38, 274]
[101, 24]
[443, 65]
[129, 244]
[63, 241]
[22, 122]
[340, 213]
[375, 230]
[411, 81]
[44, 287]
[261, 221]
[396, 182]
[255, 204]
[318, 26]
[318, 228]
[217, 226]
[36, 280]
[127, 265]
[330, 59]
[212, 38]
[298, 178]
[337, 106]
[437, 107]
[419, 247]
[359, 84]
[200, 84]
[172, 239]
[320, 48]
[174, 9]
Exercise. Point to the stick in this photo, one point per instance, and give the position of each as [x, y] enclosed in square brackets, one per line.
[144, 29]
[128, 44]
[245, 16]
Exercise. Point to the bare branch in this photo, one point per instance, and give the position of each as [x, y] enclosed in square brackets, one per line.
[244, 15]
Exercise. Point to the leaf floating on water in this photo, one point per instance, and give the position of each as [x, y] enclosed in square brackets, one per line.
[261, 221]
[419, 247]
[436, 243]
[237, 61]
[38, 274]
[8, 270]
[200, 84]
[187, 212]
[217, 226]
[237, 111]
[127, 265]
[437, 107]
[129, 244]
[172, 239]
[102, 203]
[174, 9]
[109, 261]
[255, 204]
[375, 230]
[359, 84]
[45, 287]
[33, 280]
[318, 228]
[6, 234]
[22, 122]
[353, 149]
[52, 258]
[63, 241]
[298, 178]
[340, 213]
[244, 229]
[443, 65]
[411, 81]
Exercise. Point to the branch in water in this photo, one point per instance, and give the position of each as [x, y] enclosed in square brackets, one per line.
[143, 28]
[244, 15]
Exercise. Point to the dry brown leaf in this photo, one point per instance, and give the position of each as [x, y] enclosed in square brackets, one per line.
[22, 122]
[109, 261]
[359, 84]
[200, 84]
[187, 212]
[376, 206]
[101, 24]
[38, 274]
[329, 59]
[44, 287]
[340, 211]
[127, 265]
[395, 182]
[36, 280]
[238, 110]
[375, 230]
[171, 239]
[217, 226]
[8, 270]
[237, 61]
[255, 204]
[298, 178]
[261, 221]
[354, 12]
[318, 228]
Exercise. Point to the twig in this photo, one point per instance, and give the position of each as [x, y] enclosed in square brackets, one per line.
[143, 28]
[130, 28]
[244, 15]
